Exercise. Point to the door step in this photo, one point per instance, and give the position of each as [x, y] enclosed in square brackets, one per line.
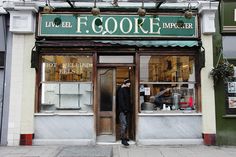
[106, 138]
[115, 143]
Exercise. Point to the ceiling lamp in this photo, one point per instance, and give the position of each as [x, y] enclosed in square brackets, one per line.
[47, 8]
[95, 11]
[142, 11]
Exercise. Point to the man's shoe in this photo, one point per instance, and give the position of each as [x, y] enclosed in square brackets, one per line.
[124, 142]
[127, 139]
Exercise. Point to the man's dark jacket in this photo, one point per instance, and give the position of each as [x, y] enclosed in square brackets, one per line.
[124, 99]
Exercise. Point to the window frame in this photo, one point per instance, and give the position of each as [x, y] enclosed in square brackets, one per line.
[171, 52]
[54, 52]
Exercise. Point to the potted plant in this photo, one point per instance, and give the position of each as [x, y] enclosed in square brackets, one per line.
[223, 70]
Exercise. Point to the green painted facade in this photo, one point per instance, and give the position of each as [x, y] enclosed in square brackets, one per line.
[225, 124]
[228, 13]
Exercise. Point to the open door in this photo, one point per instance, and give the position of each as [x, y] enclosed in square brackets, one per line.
[109, 79]
[106, 105]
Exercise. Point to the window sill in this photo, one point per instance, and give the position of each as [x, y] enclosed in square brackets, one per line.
[229, 116]
[64, 114]
[169, 113]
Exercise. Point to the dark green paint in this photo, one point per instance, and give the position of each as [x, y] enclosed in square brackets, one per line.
[228, 13]
[225, 127]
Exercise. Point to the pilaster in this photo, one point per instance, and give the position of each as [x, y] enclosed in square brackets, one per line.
[207, 12]
[22, 77]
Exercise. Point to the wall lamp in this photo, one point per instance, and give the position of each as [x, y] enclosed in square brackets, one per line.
[47, 8]
[141, 11]
[95, 11]
[115, 3]
[188, 13]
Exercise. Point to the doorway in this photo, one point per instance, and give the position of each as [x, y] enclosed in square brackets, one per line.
[109, 79]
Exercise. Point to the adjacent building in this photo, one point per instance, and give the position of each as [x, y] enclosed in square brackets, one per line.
[3, 47]
[224, 90]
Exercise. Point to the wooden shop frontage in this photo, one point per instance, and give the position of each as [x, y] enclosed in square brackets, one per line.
[82, 59]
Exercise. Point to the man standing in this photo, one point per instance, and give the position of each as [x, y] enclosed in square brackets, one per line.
[124, 104]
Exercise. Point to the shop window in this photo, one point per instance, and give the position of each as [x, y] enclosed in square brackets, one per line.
[167, 83]
[229, 47]
[230, 87]
[66, 83]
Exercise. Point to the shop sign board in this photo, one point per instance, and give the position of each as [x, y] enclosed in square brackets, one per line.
[229, 17]
[86, 25]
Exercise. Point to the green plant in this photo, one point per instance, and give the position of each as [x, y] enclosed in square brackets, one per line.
[224, 70]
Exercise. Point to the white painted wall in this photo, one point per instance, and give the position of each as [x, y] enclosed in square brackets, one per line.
[207, 87]
[207, 91]
[28, 103]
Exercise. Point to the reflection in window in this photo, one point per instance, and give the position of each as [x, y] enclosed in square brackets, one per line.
[167, 83]
[66, 83]
[66, 68]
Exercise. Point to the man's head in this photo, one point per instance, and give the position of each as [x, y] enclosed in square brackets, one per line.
[127, 82]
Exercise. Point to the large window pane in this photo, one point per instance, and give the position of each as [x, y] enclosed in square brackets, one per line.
[66, 83]
[167, 83]
[167, 68]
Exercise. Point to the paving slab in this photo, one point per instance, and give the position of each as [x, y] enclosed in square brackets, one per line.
[29, 151]
[86, 151]
[56, 151]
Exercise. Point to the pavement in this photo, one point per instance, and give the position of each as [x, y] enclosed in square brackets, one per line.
[118, 150]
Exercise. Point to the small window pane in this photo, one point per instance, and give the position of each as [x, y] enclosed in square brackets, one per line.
[66, 96]
[116, 59]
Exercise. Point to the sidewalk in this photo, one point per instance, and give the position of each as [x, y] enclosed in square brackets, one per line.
[174, 151]
[118, 151]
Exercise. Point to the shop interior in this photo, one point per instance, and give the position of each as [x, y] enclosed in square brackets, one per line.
[167, 83]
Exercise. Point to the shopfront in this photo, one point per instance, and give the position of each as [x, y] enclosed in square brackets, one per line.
[77, 76]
